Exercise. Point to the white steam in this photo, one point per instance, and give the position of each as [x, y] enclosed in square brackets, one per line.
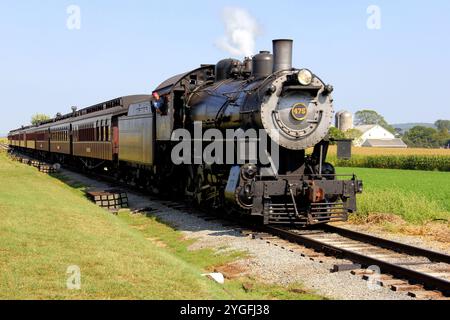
[241, 30]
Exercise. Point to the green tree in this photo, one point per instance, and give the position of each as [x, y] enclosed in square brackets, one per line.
[442, 137]
[369, 117]
[38, 118]
[443, 125]
[422, 137]
[352, 134]
[336, 134]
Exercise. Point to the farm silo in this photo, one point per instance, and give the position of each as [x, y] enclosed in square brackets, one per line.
[344, 120]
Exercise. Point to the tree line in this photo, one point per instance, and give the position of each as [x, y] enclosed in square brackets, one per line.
[424, 137]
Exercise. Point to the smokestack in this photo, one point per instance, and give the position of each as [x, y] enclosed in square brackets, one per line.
[282, 52]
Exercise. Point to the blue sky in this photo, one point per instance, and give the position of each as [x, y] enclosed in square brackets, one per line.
[129, 47]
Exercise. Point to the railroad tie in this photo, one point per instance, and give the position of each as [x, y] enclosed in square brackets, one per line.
[361, 272]
[391, 282]
[425, 295]
[345, 267]
[378, 277]
[406, 287]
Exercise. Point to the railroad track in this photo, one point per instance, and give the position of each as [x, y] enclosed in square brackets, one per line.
[420, 272]
[4, 146]
[395, 265]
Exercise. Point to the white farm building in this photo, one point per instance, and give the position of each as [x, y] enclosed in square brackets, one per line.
[376, 136]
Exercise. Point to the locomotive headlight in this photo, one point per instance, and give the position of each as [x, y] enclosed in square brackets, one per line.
[305, 77]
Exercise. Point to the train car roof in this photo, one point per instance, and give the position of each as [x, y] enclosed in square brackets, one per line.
[20, 130]
[114, 106]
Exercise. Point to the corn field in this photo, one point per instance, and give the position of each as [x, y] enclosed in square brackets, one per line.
[394, 152]
[406, 159]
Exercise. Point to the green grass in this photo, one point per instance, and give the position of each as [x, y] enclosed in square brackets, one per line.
[47, 226]
[416, 196]
[4, 140]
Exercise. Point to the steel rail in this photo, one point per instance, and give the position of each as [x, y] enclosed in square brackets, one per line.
[414, 277]
[388, 244]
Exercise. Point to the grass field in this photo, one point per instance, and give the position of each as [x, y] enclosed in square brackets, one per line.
[4, 140]
[416, 196]
[47, 226]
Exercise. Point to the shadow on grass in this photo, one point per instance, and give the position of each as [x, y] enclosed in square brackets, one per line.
[71, 183]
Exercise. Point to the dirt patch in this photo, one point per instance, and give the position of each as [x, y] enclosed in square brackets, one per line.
[381, 218]
[140, 228]
[157, 242]
[436, 231]
[296, 290]
[232, 270]
[248, 287]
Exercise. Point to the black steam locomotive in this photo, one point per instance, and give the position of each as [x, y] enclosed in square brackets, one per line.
[135, 138]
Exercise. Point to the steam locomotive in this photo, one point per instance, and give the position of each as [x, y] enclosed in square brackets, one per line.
[133, 138]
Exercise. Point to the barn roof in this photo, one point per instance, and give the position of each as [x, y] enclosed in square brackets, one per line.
[384, 143]
[365, 128]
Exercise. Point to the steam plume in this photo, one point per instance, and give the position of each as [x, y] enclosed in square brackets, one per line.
[241, 30]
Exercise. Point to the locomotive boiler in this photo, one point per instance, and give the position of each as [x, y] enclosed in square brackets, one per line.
[289, 109]
[269, 94]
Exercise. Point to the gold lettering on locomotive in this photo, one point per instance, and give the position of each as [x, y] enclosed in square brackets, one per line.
[299, 111]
